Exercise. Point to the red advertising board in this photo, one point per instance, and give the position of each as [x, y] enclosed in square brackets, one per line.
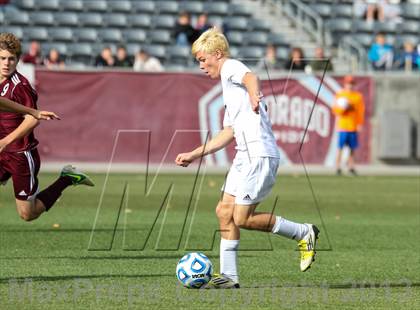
[123, 115]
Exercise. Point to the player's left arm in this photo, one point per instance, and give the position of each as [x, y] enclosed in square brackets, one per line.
[251, 82]
[7, 105]
[26, 127]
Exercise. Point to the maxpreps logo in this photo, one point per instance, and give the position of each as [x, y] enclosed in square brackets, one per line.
[290, 106]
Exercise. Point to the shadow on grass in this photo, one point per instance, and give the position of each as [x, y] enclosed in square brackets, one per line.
[76, 277]
[354, 285]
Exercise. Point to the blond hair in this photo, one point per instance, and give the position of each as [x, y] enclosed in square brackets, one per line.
[211, 41]
[9, 42]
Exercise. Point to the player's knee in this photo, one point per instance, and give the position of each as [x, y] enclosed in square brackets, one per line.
[26, 215]
[223, 213]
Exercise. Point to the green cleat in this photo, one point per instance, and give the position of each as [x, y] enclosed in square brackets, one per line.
[77, 177]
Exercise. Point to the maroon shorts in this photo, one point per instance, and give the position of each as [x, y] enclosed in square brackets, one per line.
[23, 168]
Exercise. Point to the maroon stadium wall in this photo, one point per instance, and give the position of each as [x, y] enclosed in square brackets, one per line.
[133, 117]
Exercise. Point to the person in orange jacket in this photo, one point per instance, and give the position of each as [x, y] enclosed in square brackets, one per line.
[349, 108]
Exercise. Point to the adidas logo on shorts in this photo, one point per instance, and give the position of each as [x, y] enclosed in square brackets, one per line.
[247, 197]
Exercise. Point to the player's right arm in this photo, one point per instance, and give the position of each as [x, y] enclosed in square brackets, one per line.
[222, 139]
[7, 105]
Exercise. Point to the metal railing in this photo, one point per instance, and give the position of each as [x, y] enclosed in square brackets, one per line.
[304, 17]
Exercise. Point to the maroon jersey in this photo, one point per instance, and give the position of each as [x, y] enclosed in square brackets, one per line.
[18, 89]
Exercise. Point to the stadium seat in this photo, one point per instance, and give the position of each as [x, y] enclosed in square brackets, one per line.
[14, 17]
[67, 19]
[143, 6]
[237, 23]
[16, 30]
[411, 27]
[364, 38]
[251, 54]
[121, 6]
[411, 11]
[180, 55]
[259, 25]
[163, 21]
[27, 5]
[342, 10]
[158, 51]
[60, 47]
[91, 19]
[277, 40]
[216, 8]
[159, 36]
[164, 7]
[48, 5]
[236, 9]
[81, 52]
[42, 18]
[60, 34]
[282, 53]
[363, 26]
[95, 5]
[139, 21]
[115, 20]
[409, 38]
[71, 5]
[235, 38]
[234, 52]
[340, 25]
[387, 27]
[35, 34]
[324, 10]
[256, 38]
[132, 48]
[134, 36]
[193, 7]
[110, 35]
[86, 35]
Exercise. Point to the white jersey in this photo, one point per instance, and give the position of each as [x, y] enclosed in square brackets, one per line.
[252, 131]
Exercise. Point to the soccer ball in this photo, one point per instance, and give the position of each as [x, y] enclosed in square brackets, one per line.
[194, 270]
[343, 103]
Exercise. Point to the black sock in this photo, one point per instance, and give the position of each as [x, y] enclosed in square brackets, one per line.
[50, 195]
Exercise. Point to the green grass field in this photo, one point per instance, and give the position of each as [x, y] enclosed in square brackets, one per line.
[368, 258]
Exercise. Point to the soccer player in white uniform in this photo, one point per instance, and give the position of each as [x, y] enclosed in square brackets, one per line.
[254, 168]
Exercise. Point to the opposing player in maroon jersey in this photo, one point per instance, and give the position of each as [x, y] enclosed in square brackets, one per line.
[19, 158]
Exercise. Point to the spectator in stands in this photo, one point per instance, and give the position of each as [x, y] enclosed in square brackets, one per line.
[184, 33]
[105, 59]
[381, 54]
[202, 23]
[381, 10]
[270, 60]
[349, 108]
[146, 63]
[33, 56]
[409, 58]
[391, 12]
[122, 59]
[320, 62]
[54, 61]
[296, 60]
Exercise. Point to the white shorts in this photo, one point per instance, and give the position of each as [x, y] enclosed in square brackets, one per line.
[250, 180]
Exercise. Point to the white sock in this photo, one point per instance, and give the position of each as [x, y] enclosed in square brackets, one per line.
[289, 229]
[229, 258]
